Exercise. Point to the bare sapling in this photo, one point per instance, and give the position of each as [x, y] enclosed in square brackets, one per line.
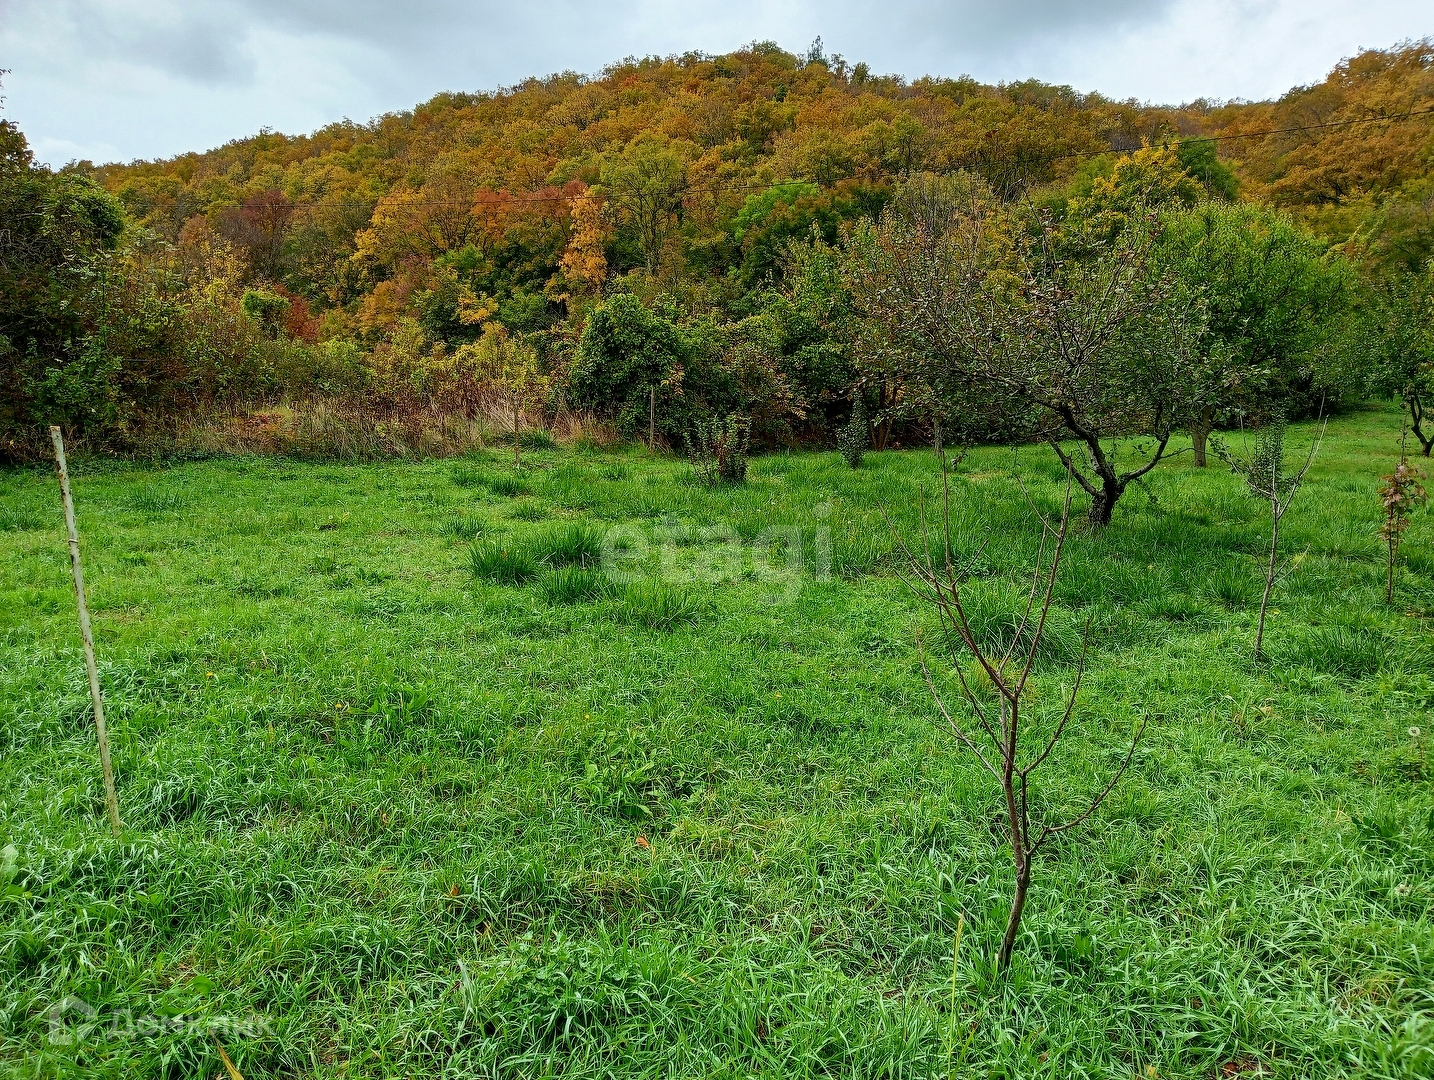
[1262, 469]
[1400, 494]
[1007, 742]
[87, 636]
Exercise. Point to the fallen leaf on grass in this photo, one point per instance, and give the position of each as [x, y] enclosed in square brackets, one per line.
[234, 1074]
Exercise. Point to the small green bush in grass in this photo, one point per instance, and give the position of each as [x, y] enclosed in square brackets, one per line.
[507, 486]
[573, 585]
[502, 561]
[855, 437]
[464, 528]
[574, 544]
[467, 476]
[528, 511]
[660, 606]
[718, 449]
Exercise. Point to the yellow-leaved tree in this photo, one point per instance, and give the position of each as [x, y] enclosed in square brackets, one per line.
[584, 263]
[511, 373]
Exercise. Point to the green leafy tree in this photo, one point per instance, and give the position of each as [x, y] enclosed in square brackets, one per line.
[510, 370]
[1272, 295]
[56, 231]
[770, 221]
[1199, 158]
[625, 351]
[1078, 330]
[1399, 330]
[811, 323]
[644, 186]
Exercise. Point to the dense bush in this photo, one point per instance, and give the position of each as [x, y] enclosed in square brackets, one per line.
[855, 435]
[626, 351]
[718, 449]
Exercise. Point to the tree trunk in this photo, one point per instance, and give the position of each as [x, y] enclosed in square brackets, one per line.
[1102, 504]
[1416, 423]
[1269, 584]
[1018, 906]
[1389, 577]
[1112, 484]
[1199, 432]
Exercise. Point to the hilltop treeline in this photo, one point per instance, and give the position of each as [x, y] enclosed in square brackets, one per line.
[686, 224]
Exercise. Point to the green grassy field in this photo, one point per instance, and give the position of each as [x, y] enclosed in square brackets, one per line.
[426, 822]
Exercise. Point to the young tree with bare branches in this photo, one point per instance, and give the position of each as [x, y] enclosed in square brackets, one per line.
[1004, 738]
[1401, 493]
[1262, 469]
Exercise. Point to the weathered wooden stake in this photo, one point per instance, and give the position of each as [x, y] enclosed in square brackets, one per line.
[86, 635]
[652, 420]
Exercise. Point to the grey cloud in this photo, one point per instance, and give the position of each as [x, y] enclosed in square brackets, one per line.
[205, 44]
[983, 24]
[209, 44]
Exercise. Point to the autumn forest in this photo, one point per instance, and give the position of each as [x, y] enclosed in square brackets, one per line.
[693, 216]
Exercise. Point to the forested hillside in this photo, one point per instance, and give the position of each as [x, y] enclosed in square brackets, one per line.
[500, 172]
[710, 162]
[406, 263]
[1357, 179]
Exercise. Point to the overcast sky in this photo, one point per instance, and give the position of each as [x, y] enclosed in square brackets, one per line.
[122, 79]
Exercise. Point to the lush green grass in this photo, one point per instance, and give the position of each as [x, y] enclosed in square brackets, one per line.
[433, 823]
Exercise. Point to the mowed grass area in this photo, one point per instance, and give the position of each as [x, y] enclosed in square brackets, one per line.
[529, 823]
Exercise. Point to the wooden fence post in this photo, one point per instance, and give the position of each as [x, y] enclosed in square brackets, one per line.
[111, 801]
[652, 420]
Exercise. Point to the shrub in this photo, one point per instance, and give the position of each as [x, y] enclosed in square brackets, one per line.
[854, 439]
[659, 606]
[573, 585]
[501, 561]
[718, 449]
[625, 350]
[1401, 492]
[268, 309]
[569, 545]
[507, 486]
